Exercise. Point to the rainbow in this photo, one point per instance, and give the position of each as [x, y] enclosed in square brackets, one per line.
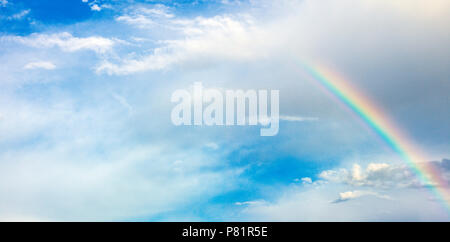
[380, 123]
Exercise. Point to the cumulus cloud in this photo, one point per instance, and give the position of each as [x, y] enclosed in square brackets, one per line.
[377, 198]
[40, 65]
[381, 175]
[95, 7]
[65, 41]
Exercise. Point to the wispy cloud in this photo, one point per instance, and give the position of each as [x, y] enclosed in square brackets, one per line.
[123, 101]
[65, 41]
[251, 203]
[212, 145]
[215, 38]
[346, 196]
[297, 118]
[19, 15]
[40, 65]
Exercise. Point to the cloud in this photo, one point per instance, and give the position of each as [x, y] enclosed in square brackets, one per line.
[297, 118]
[147, 18]
[95, 7]
[3, 3]
[304, 180]
[250, 203]
[40, 65]
[19, 15]
[65, 41]
[215, 38]
[158, 10]
[231, 2]
[313, 205]
[380, 175]
[123, 101]
[137, 20]
[74, 151]
[134, 182]
[304, 30]
[345, 196]
[85, 163]
[317, 201]
[212, 145]
[241, 37]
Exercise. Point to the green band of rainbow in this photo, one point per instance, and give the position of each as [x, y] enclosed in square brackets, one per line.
[379, 122]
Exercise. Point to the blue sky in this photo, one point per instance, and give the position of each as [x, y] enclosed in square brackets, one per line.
[85, 110]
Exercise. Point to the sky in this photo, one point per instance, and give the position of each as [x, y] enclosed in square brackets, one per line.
[85, 105]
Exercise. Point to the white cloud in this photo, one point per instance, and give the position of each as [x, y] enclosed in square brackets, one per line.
[19, 15]
[216, 38]
[241, 37]
[95, 7]
[146, 18]
[3, 3]
[140, 21]
[385, 197]
[158, 11]
[85, 165]
[345, 196]
[134, 182]
[123, 101]
[65, 41]
[297, 118]
[212, 145]
[380, 175]
[70, 137]
[250, 203]
[231, 2]
[306, 180]
[40, 65]
[313, 204]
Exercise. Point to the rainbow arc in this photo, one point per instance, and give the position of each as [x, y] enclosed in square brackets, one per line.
[383, 127]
